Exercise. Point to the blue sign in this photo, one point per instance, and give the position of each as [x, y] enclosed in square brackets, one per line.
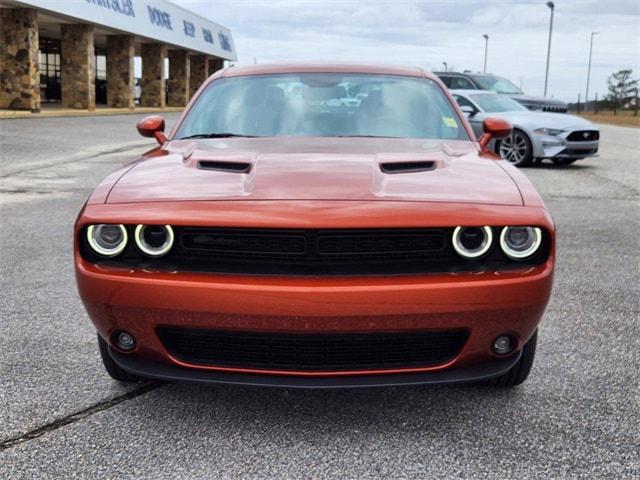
[154, 20]
[208, 36]
[159, 17]
[189, 28]
[124, 7]
[225, 43]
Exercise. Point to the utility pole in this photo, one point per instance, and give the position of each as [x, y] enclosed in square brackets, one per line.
[486, 49]
[586, 93]
[546, 75]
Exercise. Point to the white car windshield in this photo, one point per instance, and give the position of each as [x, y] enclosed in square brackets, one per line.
[323, 104]
[496, 103]
[496, 84]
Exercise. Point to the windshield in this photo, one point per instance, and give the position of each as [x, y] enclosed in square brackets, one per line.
[496, 84]
[491, 103]
[323, 104]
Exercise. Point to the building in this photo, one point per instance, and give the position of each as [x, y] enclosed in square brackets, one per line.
[79, 53]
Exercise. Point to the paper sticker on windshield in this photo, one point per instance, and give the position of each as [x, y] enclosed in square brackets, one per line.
[450, 122]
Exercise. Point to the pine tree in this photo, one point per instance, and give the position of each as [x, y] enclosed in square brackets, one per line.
[621, 87]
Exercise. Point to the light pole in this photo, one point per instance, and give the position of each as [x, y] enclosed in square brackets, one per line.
[445, 66]
[486, 49]
[546, 75]
[586, 94]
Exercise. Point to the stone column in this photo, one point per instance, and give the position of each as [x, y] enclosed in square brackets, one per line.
[78, 66]
[19, 77]
[215, 64]
[120, 90]
[153, 85]
[199, 72]
[179, 73]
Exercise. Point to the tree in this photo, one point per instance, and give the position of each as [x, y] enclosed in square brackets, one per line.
[621, 87]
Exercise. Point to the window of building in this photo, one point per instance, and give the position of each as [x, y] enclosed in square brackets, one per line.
[101, 77]
[49, 68]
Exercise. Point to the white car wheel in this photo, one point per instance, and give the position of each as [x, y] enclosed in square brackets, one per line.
[516, 149]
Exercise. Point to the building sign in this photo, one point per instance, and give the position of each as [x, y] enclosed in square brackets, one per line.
[158, 20]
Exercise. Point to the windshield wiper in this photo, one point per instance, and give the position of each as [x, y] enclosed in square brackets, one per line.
[216, 135]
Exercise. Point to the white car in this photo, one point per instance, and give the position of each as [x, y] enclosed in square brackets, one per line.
[560, 137]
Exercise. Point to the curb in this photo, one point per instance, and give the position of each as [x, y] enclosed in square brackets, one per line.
[67, 112]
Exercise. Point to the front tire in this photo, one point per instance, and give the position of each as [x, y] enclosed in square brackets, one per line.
[520, 371]
[516, 149]
[112, 367]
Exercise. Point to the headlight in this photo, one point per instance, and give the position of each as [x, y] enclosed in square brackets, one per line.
[549, 131]
[107, 240]
[154, 240]
[520, 242]
[472, 242]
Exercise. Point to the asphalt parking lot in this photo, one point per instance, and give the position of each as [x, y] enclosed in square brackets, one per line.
[61, 416]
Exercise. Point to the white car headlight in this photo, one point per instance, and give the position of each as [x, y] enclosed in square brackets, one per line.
[154, 240]
[519, 243]
[472, 242]
[107, 240]
[553, 132]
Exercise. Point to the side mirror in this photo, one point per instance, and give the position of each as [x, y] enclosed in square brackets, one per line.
[152, 126]
[494, 128]
[468, 110]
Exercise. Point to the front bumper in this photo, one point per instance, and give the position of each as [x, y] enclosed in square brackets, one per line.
[558, 147]
[163, 371]
[486, 304]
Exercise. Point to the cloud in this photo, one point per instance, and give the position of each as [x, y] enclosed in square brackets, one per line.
[428, 33]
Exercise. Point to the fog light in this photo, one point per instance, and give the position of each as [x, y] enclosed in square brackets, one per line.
[124, 341]
[503, 345]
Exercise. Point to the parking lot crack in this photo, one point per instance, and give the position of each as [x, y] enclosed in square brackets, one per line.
[77, 416]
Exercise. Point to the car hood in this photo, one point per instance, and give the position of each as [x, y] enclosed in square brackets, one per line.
[531, 100]
[534, 119]
[292, 168]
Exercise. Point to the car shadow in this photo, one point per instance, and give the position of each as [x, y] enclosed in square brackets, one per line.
[545, 165]
[300, 411]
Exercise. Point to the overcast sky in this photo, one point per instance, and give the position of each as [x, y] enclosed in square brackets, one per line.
[429, 32]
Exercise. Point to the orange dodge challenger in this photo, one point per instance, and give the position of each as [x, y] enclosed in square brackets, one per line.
[317, 226]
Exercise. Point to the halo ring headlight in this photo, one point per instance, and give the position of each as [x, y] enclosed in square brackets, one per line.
[107, 240]
[519, 243]
[477, 251]
[142, 242]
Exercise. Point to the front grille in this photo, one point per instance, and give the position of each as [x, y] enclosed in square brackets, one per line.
[555, 108]
[313, 252]
[578, 151]
[312, 351]
[584, 136]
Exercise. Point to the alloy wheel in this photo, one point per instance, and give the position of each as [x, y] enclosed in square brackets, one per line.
[514, 148]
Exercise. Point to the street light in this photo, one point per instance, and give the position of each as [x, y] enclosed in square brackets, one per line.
[586, 94]
[486, 48]
[546, 75]
[445, 66]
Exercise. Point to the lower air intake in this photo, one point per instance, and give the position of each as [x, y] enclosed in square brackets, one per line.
[314, 351]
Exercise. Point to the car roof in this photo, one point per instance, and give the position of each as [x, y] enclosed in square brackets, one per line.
[278, 68]
[472, 92]
[468, 74]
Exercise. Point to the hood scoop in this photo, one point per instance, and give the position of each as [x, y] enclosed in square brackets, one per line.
[238, 162]
[223, 166]
[407, 166]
